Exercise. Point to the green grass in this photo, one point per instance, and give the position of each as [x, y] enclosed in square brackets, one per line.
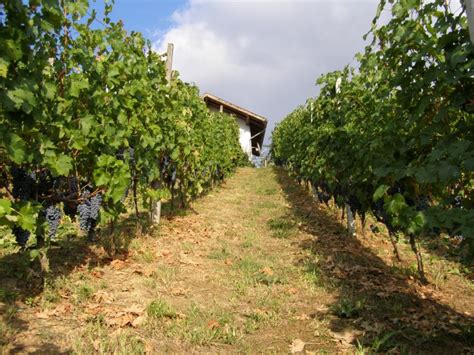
[203, 327]
[159, 309]
[281, 227]
[348, 308]
[96, 338]
[219, 254]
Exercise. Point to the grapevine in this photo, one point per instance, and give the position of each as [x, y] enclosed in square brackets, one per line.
[392, 137]
[86, 114]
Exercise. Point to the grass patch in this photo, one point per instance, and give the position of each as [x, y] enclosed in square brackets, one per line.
[205, 327]
[248, 266]
[159, 309]
[219, 254]
[96, 338]
[313, 275]
[84, 292]
[281, 227]
[348, 308]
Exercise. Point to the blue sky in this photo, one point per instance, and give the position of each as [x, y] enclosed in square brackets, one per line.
[150, 17]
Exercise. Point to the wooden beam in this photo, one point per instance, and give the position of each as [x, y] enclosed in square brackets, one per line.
[470, 17]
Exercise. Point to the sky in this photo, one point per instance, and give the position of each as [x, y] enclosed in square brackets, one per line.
[262, 55]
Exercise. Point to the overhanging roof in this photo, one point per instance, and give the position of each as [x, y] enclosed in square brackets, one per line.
[256, 122]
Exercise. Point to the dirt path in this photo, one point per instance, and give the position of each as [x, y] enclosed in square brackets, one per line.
[255, 266]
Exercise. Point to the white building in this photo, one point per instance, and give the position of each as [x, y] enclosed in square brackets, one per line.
[251, 126]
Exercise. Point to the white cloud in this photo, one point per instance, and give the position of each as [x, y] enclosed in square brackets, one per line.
[265, 55]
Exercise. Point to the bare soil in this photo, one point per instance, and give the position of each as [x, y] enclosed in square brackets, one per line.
[256, 266]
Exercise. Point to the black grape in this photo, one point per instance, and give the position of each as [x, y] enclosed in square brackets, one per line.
[125, 194]
[164, 164]
[95, 203]
[21, 236]
[53, 218]
[323, 197]
[23, 183]
[70, 209]
[84, 215]
[89, 214]
[423, 203]
[457, 202]
[131, 153]
[120, 154]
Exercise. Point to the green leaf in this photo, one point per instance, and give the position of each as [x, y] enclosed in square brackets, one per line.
[16, 148]
[27, 216]
[86, 124]
[380, 192]
[3, 68]
[22, 98]
[34, 254]
[62, 165]
[50, 89]
[77, 85]
[5, 207]
[175, 154]
[396, 204]
[417, 223]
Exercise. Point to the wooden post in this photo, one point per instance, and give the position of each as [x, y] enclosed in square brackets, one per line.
[156, 204]
[169, 62]
[470, 17]
[350, 221]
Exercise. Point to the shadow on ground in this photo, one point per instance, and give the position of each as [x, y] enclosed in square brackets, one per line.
[375, 307]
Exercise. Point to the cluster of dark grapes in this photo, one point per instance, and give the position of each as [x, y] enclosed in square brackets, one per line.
[53, 218]
[23, 189]
[381, 215]
[89, 214]
[457, 202]
[322, 192]
[131, 154]
[21, 235]
[42, 187]
[164, 164]
[70, 206]
[423, 203]
[356, 207]
[23, 184]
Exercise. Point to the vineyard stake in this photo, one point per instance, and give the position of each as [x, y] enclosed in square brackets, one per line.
[156, 204]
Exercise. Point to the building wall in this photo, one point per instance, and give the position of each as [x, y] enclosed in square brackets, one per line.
[244, 137]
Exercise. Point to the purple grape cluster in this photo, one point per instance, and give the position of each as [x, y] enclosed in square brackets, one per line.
[23, 183]
[89, 214]
[21, 236]
[53, 218]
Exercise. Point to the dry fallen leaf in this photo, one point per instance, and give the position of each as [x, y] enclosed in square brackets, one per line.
[213, 324]
[42, 315]
[303, 316]
[135, 309]
[102, 296]
[138, 321]
[346, 338]
[292, 290]
[62, 309]
[297, 346]
[178, 292]
[97, 273]
[118, 264]
[267, 271]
